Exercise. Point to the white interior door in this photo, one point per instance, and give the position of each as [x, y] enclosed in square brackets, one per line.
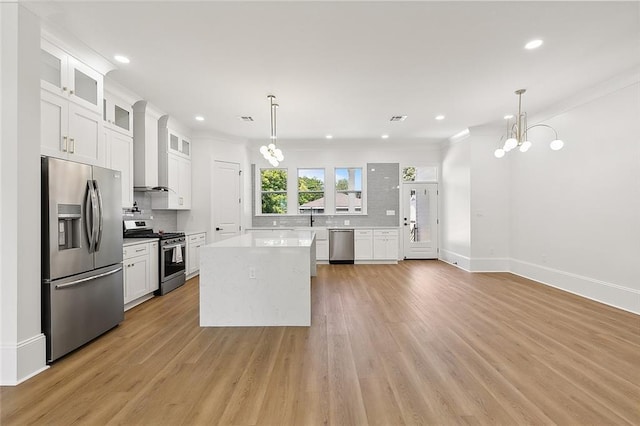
[420, 230]
[226, 199]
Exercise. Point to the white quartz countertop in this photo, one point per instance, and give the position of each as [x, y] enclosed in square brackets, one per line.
[276, 239]
[133, 241]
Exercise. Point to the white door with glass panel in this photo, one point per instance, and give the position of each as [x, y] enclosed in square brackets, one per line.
[227, 203]
[420, 224]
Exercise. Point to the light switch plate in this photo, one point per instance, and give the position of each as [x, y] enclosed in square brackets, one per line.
[347, 222]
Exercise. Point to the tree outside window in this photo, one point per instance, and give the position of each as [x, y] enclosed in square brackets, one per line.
[273, 184]
[311, 191]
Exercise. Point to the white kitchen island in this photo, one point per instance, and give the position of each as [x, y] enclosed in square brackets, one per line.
[261, 278]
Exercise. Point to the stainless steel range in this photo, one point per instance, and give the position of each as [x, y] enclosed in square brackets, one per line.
[172, 253]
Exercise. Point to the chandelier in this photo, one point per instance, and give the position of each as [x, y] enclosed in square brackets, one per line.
[516, 135]
[270, 152]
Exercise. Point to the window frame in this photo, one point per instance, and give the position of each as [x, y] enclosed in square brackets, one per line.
[361, 191]
[260, 193]
[323, 192]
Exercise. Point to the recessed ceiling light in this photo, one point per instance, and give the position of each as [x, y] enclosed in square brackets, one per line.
[398, 118]
[508, 116]
[533, 44]
[199, 118]
[121, 59]
[329, 136]
[385, 136]
[439, 117]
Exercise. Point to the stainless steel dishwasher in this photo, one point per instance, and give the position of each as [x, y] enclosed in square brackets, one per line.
[341, 247]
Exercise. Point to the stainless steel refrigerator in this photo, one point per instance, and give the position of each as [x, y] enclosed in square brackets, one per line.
[82, 292]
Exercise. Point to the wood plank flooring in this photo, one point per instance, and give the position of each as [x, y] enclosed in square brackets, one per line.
[416, 343]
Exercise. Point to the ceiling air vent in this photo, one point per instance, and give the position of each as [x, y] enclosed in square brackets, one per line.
[246, 118]
[398, 118]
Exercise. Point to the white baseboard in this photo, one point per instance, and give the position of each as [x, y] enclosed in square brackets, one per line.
[455, 259]
[625, 298]
[490, 264]
[618, 296]
[22, 361]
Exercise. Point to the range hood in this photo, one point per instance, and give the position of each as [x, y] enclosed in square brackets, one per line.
[145, 148]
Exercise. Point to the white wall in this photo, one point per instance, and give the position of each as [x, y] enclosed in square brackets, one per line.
[22, 345]
[455, 204]
[489, 207]
[575, 213]
[205, 151]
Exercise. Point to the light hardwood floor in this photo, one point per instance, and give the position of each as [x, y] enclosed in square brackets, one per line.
[416, 343]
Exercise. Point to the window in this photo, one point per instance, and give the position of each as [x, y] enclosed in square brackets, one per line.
[420, 174]
[311, 191]
[348, 190]
[273, 186]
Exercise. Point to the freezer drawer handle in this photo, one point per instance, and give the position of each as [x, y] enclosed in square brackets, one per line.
[73, 283]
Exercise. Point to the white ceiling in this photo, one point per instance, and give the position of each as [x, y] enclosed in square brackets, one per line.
[344, 68]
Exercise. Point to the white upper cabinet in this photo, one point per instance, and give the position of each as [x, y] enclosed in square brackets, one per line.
[70, 107]
[174, 168]
[117, 113]
[64, 75]
[70, 131]
[178, 144]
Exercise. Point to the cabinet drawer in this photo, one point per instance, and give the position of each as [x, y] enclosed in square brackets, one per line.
[135, 250]
[196, 238]
[385, 232]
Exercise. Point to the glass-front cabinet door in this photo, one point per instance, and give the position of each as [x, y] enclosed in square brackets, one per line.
[64, 75]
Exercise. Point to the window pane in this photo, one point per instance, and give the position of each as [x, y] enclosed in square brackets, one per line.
[311, 191]
[273, 185]
[349, 179]
[349, 190]
[420, 174]
[274, 203]
[273, 179]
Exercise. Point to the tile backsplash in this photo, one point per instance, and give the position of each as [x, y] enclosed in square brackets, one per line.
[163, 220]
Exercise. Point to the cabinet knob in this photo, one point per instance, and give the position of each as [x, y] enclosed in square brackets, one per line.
[64, 89]
[71, 92]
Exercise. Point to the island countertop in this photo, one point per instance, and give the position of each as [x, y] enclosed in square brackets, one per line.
[261, 278]
[284, 238]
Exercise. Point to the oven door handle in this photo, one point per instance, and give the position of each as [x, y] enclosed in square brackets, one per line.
[173, 246]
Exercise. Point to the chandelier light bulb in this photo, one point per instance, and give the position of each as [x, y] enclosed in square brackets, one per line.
[525, 146]
[556, 145]
[264, 150]
[499, 153]
[509, 144]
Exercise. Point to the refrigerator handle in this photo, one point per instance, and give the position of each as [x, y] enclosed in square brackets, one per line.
[84, 280]
[100, 215]
[88, 216]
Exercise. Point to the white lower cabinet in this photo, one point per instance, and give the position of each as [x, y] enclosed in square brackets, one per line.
[194, 242]
[154, 266]
[140, 264]
[322, 249]
[363, 240]
[385, 244]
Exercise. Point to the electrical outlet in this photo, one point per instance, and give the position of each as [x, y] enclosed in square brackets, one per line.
[275, 222]
[347, 222]
[252, 272]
